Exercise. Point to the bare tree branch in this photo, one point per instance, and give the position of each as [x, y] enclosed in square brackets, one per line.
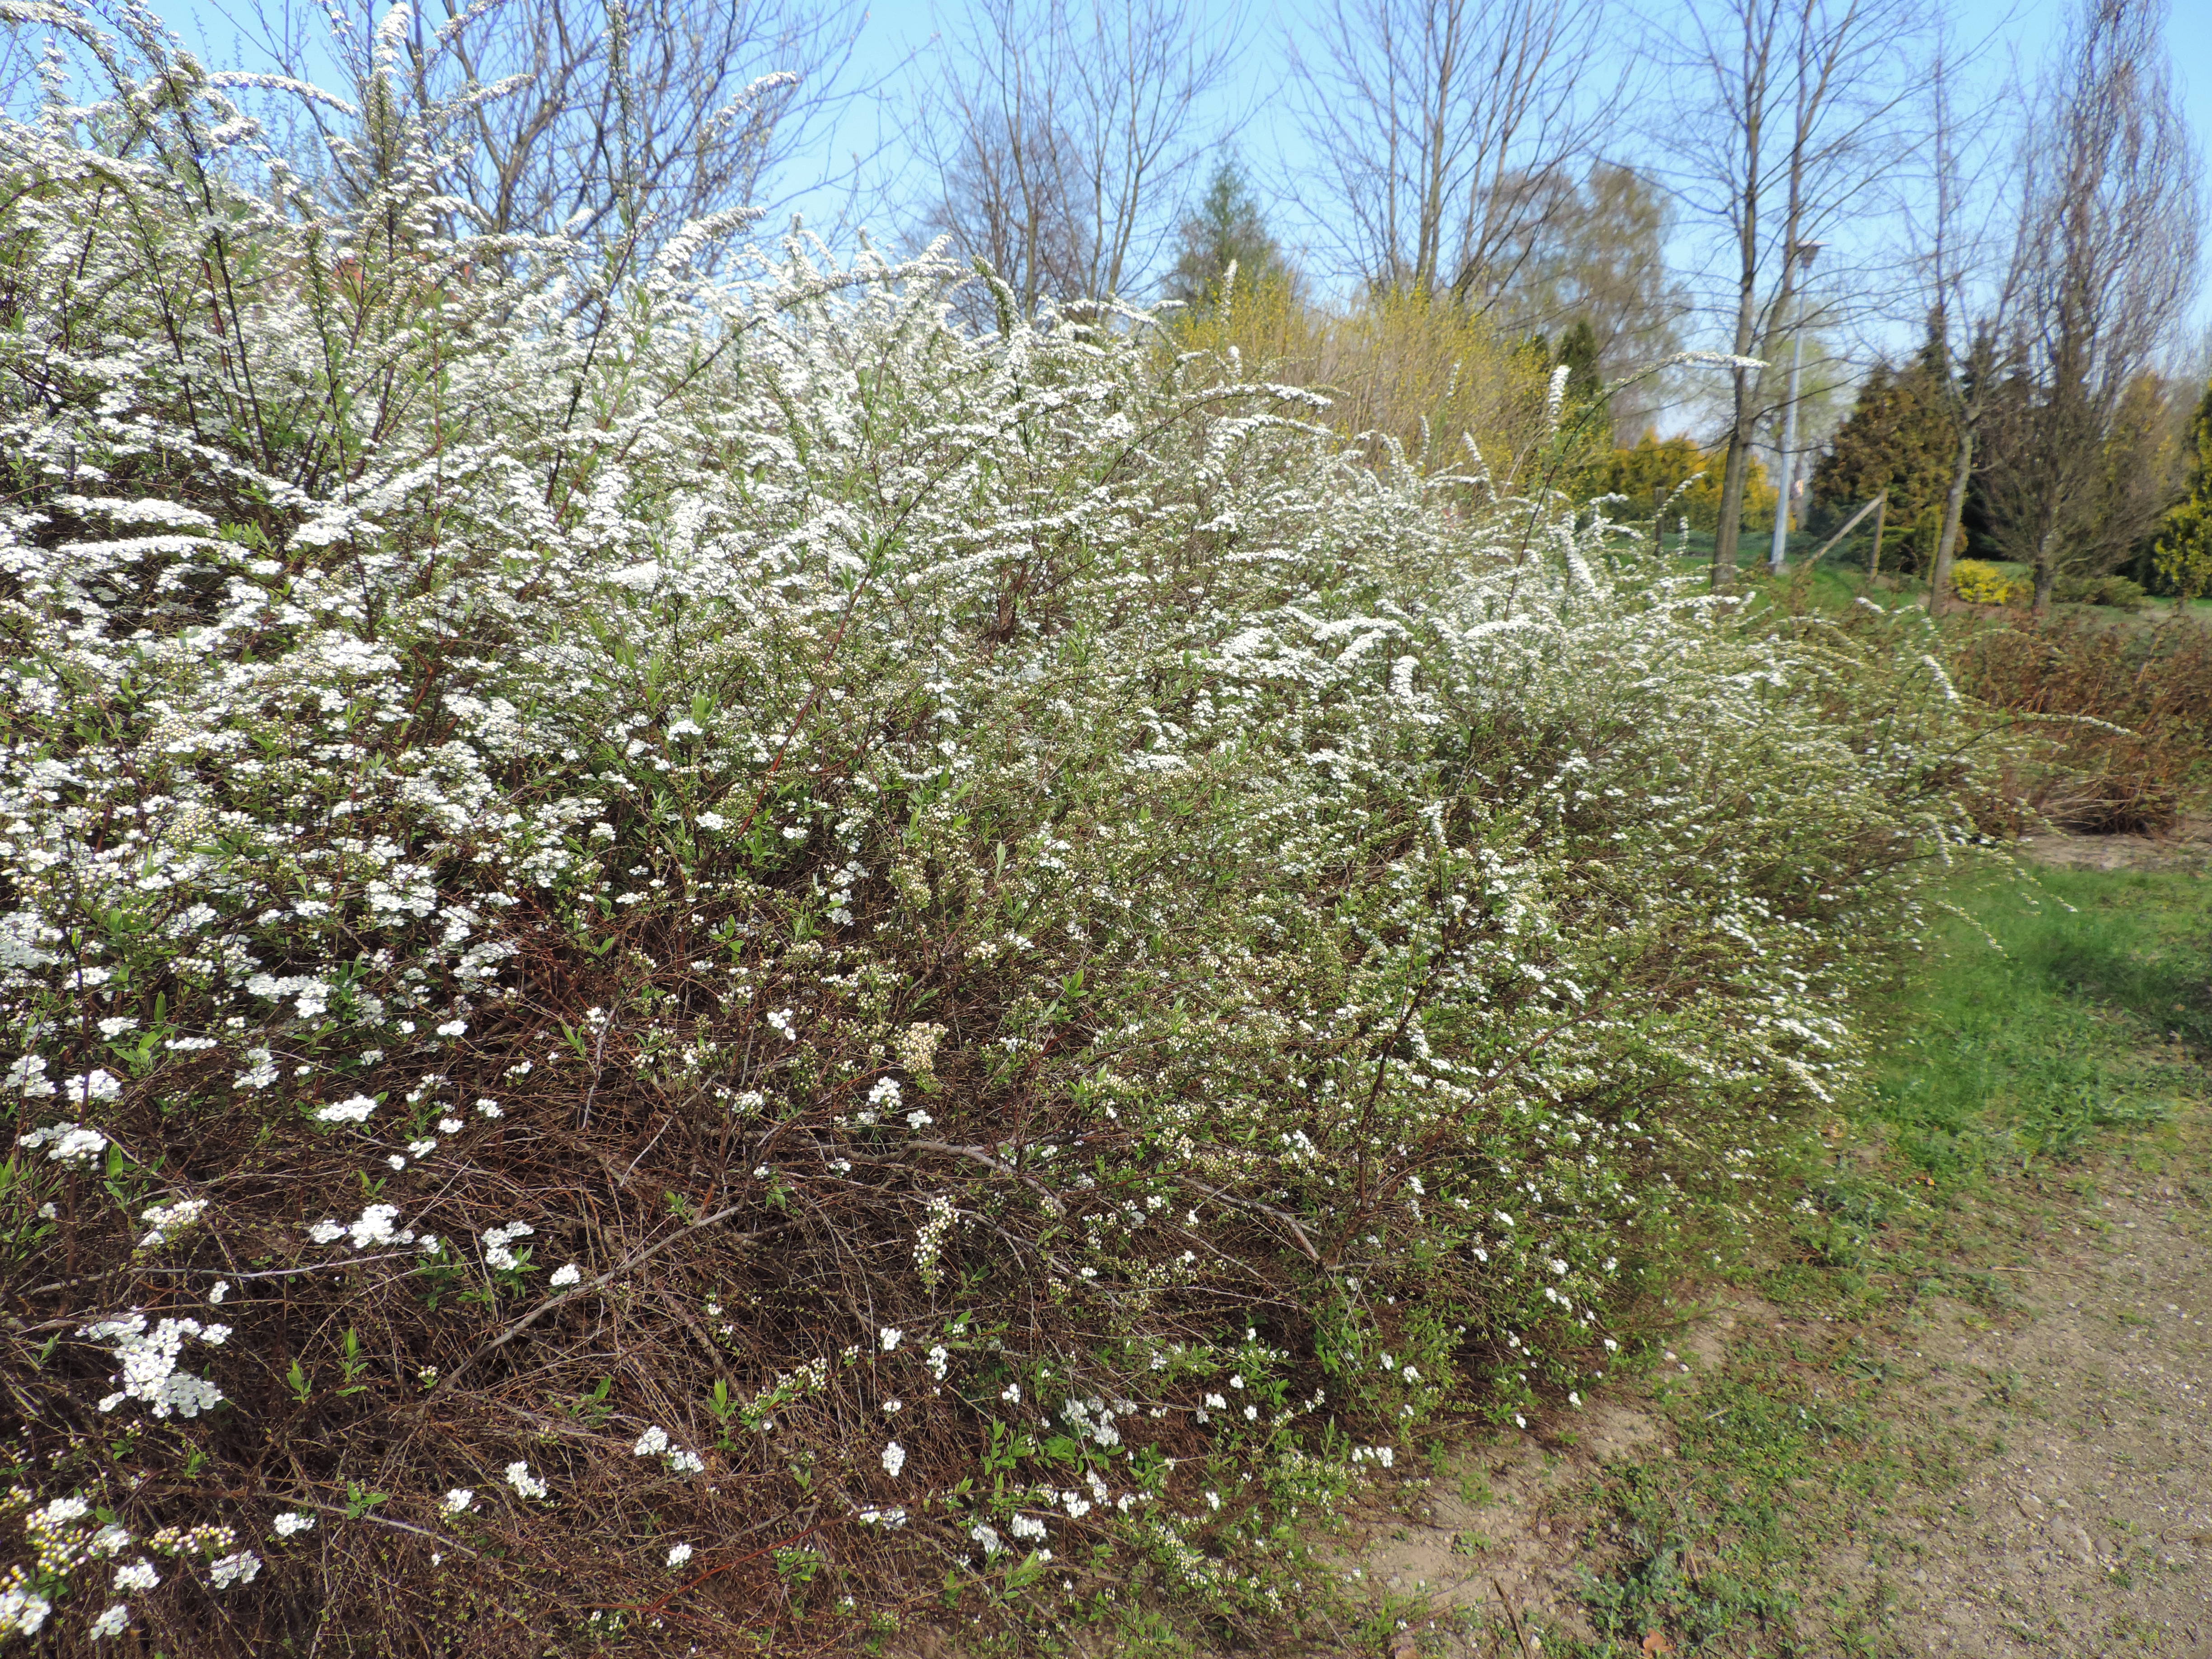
[1444, 126]
[1065, 139]
[2112, 215]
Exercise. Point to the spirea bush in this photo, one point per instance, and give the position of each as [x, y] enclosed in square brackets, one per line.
[691, 953]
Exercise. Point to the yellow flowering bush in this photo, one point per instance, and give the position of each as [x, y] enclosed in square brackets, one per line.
[1979, 582]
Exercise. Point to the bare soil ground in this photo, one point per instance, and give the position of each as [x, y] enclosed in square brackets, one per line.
[2020, 1462]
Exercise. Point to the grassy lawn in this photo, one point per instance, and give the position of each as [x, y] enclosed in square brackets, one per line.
[1839, 581]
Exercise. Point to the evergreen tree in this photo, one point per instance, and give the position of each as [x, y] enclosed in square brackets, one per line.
[1579, 351]
[1899, 437]
[1227, 229]
[2184, 556]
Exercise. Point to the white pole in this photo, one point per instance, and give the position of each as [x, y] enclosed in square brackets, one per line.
[1788, 446]
[1802, 253]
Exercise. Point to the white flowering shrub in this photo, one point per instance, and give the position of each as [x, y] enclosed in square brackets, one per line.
[1008, 884]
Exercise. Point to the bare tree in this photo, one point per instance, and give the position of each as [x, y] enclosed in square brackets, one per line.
[1446, 128]
[1964, 229]
[1065, 138]
[1781, 134]
[613, 120]
[2112, 215]
[1596, 255]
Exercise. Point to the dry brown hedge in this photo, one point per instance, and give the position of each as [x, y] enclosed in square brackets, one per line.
[2120, 715]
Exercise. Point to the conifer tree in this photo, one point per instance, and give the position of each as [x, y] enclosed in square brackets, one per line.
[1227, 229]
[2184, 556]
[1901, 437]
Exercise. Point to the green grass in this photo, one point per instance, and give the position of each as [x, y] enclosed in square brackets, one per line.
[2003, 1056]
[1841, 577]
[2005, 1067]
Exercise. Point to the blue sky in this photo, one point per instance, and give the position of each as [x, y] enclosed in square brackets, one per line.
[1260, 114]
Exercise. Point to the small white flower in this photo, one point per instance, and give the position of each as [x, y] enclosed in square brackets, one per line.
[893, 1407]
[288, 1521]
[651, 1443]
[564, 1276]
[219, 1290]
[489, 1109]
[458, 1499]
[449, 1125]
[356, 1111]
[1011, 1394]
[918, 1119]
[686, 1462]
[894, 1459]
[519, 1477]
[453, 1028]
[138, 1575]
[240, 1569]
[678, 1554]
[114, 1622]
[92, 1086]
[889, 1336]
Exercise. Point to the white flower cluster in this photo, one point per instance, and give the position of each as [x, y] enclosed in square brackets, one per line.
[150, 1357]
[496, 1255]
[375, 1225]
[67, 1143]
[655, 1443]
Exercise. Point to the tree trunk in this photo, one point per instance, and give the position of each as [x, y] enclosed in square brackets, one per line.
[1732, 481]
[2046, 573]
[1955, 507]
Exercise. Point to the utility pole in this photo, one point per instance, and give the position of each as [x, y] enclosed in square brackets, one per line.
[1802, 253]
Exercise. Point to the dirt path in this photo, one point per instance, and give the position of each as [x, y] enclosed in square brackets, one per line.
[2061, 1505]
[2086, 1527]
